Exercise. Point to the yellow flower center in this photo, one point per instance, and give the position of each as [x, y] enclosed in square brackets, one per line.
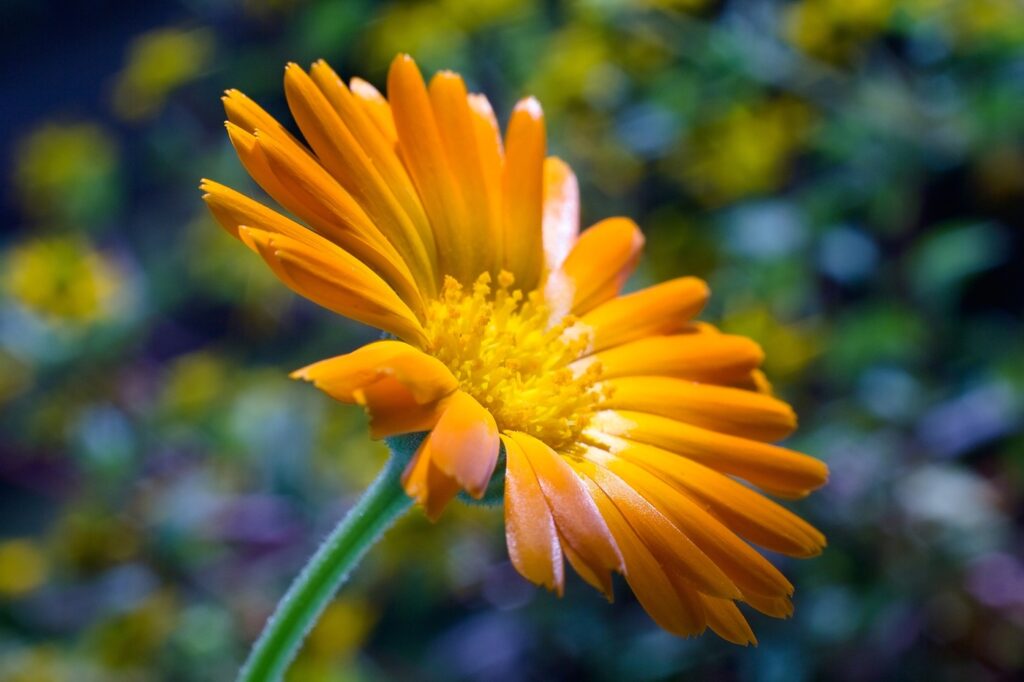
[511, 353]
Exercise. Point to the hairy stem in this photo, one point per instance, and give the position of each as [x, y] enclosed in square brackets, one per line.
[382, 503]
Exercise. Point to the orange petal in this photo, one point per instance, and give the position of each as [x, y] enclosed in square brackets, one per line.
[662, 309]
[233, 210]
[492, 162]
[379, 147]
[398, 385]
[342, 153]
[251, 117]
[533, 543]
[599, 582]
[646, 576]
[561, 223]
[465, 443]
[335, 279]
[745, 511]
[423, 152]
[450, 103]
[426, 378]
[767, 466]
[776, 607]
[255, 162]
[718, 408]
[523, 191]
[575, 515]
[393, 410]
[674, 550]
[750, 571]
[707, 358]
[424, 482]
[375, 107]
[601, 262]
[346, 223]
[727, 622]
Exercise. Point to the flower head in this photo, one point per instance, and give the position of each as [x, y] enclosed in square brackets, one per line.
[624, 422]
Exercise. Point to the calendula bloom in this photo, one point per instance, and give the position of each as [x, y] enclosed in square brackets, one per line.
[625, 423]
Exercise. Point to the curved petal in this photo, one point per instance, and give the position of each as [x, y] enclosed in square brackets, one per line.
[718, 408]
[492, 162]
[375, 107]
[561, 223]
[398, 385]
[674, 549]
[393, 410]
[598, 581]
[743, 565]
[662, 309]
[346, 223]
[422, 150]
[249, 116]
[523, 193]
[748, 513]
[530, 533]
[380, 146]
[601, 262]
[233, 210]
[725, 619]
[707, 358]
[771, 467]
[776, 607]
[342, 377]
[576, 517]
[338, 281]
[256, 164]
[667, 606]
[465, 443]
[342, 154]
[450, 102]
[305, 189]
[426, 483]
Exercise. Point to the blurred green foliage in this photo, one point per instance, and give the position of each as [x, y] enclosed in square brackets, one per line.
[849, 175]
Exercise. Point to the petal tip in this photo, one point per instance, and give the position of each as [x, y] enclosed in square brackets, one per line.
[530, 105]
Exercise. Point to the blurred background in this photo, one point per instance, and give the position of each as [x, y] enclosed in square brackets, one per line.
[847, 174]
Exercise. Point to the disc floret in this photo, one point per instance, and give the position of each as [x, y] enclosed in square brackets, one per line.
[512, 354]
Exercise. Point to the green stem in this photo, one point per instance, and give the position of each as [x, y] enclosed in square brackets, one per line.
[382, 503]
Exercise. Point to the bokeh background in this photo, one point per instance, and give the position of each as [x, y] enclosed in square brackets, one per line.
[847, 174]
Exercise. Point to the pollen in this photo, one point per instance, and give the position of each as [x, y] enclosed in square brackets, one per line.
[512, 353]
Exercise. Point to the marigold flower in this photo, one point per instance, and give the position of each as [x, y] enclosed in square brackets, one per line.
[625, 423]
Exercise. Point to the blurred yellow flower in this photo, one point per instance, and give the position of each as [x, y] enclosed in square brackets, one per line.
[15, 376]
[342, 629]
[578, 63]
[746, 151]
[65, 172]
[834, 29]
[37, 664]
[972, 22]
[62, 279]
[88, 541]
[788, 347]
[195, 381]
[131, 639]
[23, 567]
[435, 28]
[159, 62]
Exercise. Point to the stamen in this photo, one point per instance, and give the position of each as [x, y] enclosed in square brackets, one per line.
[508, 353]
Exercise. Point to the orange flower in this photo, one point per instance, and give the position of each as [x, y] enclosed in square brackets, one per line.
[623, 421]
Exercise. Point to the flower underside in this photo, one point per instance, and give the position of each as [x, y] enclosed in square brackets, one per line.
[512, 352]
